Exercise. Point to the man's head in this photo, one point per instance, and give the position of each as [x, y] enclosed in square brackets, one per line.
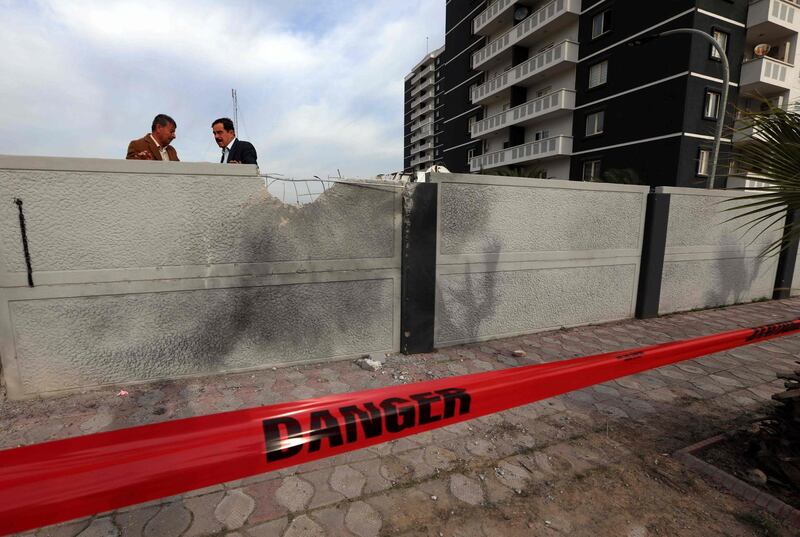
[222, 129]
[163, 129]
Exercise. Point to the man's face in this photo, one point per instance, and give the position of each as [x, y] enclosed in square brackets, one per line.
[222, 137]
[164, 134]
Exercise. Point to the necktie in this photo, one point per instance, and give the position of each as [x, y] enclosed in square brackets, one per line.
[222, 158]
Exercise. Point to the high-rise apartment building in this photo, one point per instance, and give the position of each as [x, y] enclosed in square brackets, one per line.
[555, 88]
[422, 114]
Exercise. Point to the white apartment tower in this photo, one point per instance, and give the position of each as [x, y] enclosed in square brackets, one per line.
[422, 119]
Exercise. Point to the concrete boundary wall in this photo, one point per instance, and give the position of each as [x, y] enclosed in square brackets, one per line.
[518, 255]
[152, 270]
[709, 262]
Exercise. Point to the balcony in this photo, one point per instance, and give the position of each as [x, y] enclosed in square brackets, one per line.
[765, 76]
[547, 148]
[555, 14]
[421, 99]
[769, 20]
[562, 56]
[420, 111]
[428, 83]
[491, 17]
[744, 131]
[431, 69]
[546, 106]
[426, 157]
[423, 147]
[424, 132]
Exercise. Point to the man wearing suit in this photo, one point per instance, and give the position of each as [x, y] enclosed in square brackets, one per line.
[234, 151]
[155, 146]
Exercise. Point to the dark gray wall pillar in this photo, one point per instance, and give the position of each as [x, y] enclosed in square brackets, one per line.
[418, 288]
[787, 260]
[653, 247]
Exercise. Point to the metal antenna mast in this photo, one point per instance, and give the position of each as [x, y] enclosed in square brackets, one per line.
[235, 110]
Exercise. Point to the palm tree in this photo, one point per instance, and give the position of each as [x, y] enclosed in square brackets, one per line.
[771, 155]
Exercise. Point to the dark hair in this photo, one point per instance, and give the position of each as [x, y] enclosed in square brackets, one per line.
[162, 120]
[227, 124]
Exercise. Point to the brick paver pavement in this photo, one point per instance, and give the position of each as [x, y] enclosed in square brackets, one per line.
[510, 473]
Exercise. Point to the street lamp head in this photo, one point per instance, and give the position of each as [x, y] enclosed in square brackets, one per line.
[642, 39]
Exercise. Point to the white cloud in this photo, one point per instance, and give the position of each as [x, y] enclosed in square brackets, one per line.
[320, 84]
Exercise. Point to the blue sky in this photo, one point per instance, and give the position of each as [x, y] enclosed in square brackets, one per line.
[320, 83]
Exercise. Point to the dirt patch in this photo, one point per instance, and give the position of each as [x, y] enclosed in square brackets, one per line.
[735, 455]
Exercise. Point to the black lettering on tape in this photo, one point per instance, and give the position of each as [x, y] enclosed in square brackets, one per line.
[285, 438]
[398, 417]
[424, 401]
[772, 329]
[453, 396]
[324, 425]
[274, 438]
[371, 423]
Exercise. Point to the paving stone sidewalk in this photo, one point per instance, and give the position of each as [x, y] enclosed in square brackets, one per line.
[527, 471]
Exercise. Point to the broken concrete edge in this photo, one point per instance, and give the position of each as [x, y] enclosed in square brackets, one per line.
[733, 484]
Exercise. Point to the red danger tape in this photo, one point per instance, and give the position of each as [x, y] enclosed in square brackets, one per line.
[57, 481]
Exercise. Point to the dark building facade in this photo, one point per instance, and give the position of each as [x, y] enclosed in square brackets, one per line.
[579, 89]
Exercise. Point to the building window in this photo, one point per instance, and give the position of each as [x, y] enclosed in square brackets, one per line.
[598, 74]
[544, 91]
[470, 123]
[722, 39]
[541, 174]
[601, 23]
[540, 135]
[470, 156]
[594, 123]
[591, 170]
[703, 162]
[711, 106]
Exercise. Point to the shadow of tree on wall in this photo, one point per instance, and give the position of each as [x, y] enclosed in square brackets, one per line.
[735, 277]
[463, 310]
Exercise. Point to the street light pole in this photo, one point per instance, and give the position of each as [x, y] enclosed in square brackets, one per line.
[726, 76]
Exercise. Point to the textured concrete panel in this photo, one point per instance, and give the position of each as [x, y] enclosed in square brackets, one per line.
[709, 283]
[484, 305]
[67, 343]
[502, 218]
[710, 259]
[704, 220]
[103, 220]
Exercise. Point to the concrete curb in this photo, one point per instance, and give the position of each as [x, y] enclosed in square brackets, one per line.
[736, 486]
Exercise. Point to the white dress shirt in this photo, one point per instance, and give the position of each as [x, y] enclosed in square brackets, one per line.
[227, 150]
[162, 150]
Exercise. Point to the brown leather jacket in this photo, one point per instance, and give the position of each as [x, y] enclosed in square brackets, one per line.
[147, 144]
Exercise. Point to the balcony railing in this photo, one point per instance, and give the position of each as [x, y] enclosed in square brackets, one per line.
[419, 160]
[779, 13]
[559, 100]
[423, 110]
[490, 13]
[765, 74]
[423, 147]
[566, 51]
[549, 147]
[427, 130]
[431, 69]
[535, 22]
[424, 85]
[421, 99]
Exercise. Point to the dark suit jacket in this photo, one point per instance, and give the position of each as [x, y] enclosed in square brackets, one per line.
[242, 152]
[147, 144]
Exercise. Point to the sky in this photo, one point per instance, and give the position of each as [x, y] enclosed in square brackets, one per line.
[319, 82]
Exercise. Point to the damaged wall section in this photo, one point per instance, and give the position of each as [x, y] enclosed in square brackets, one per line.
[154, 270]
